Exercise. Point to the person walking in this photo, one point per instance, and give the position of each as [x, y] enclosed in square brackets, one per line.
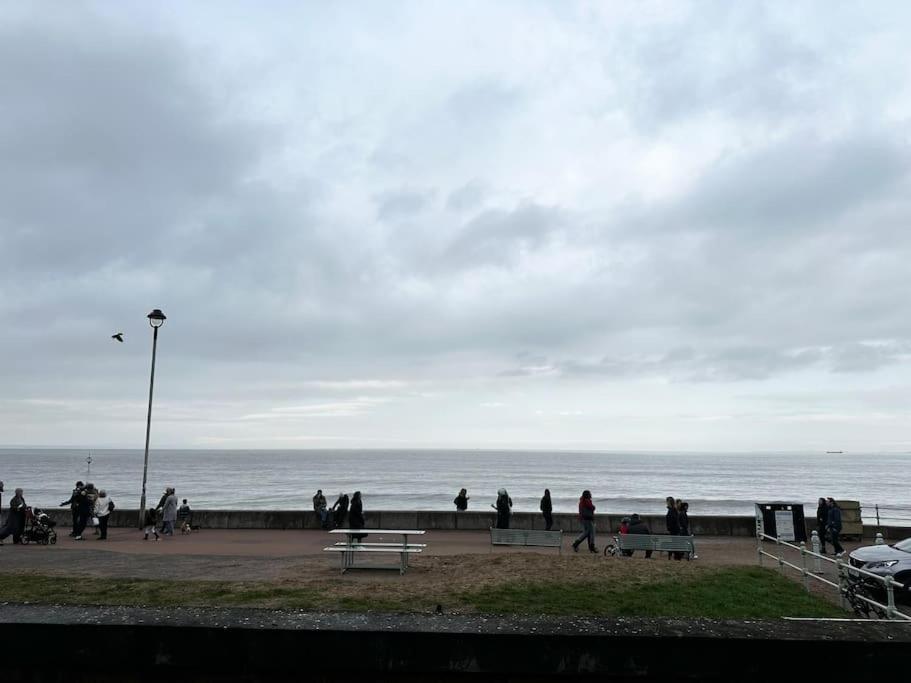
[169, 512]
[461, 501]
[321, 509]
[547, 509]
[834, 526]
[503, 507]
[73, 502]
[356, 516]
[104, 506]
[340, 510]
[672, 521]
[151, 524]
[587, 517]
[822, 523]
[15, 520]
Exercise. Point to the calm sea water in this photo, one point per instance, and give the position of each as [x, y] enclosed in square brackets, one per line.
[429, 480]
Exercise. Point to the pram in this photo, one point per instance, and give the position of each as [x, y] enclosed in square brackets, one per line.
[39, 527]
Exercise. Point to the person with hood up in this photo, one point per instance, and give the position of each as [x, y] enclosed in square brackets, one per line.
[169, 512]
[15, 520]
[104, 506]
[356, 517]
[461, 501]
[587, 517]
[503, 507]
[340, 508]
[822, 522]
[834, 526]
[547, 509]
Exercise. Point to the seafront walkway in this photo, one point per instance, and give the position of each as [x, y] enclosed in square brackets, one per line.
[246, 555]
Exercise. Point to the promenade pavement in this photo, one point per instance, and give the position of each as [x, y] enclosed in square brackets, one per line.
[245, 555]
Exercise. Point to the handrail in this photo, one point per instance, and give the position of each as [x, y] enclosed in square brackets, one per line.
[844, 570]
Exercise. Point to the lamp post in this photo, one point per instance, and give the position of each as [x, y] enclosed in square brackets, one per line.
[156, 320]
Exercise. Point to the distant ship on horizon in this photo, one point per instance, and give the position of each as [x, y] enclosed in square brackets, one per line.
[833, 452]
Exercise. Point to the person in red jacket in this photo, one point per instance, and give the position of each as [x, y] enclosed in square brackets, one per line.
[587, 517]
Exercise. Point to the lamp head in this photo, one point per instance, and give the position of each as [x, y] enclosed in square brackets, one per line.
[156, 318]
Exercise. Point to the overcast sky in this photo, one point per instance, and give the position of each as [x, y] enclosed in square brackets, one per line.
[439, 224]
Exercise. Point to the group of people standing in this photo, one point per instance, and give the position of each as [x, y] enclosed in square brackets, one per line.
[344, 510]
[89, 505]
[828, 525]
[677, 516]
[167, 516]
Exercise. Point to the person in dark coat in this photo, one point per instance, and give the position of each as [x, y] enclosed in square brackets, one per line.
[587, 517]
[834, 526]
[822, 522]
[15, 520]
[504, 509]
[637, 527]
[547, 509]
[73, 502]
[683, 518]
[672, 521]
[84, 508]
[319, 507]
[461, 501]
[340, 510]
[356, 516]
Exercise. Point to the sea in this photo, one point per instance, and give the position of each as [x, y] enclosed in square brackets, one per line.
[621, 482]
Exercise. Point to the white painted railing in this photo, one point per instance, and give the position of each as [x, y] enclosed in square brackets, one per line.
[849, 577]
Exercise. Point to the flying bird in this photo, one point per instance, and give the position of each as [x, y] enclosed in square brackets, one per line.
[118, 337]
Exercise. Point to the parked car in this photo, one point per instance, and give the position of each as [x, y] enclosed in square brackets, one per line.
[887, 560]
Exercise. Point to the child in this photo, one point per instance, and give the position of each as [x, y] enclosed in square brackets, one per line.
[150, 522]
[183, 518]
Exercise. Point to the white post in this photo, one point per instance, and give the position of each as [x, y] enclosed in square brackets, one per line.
[803, 562]
[879, 539]
[779, 553]
[759, 538]
[842, 582]
[814, 543]
[890, 599]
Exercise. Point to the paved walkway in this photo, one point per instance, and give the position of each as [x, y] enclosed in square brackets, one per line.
[264, 554]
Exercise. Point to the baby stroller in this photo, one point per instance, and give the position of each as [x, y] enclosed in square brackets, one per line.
[39, 527]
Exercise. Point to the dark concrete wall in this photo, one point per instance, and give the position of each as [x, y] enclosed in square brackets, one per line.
[421, 519]
[67, 644]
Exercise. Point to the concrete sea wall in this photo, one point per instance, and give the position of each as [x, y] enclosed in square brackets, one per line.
[470, 520]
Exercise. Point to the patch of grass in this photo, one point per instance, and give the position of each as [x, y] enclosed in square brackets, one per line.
[743, 592]
[737, 592]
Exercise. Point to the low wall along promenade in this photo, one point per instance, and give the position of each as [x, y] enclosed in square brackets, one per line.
[720, 525]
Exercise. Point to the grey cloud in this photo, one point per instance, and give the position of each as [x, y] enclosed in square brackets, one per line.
[497, 236]
[467, 197]
[402, 203]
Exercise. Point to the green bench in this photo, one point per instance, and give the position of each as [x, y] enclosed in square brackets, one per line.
[527, 537]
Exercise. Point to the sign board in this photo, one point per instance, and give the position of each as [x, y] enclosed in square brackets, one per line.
[784, 525]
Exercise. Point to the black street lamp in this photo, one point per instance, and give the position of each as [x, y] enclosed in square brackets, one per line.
[156, 320]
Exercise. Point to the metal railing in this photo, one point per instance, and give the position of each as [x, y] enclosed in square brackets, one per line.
[853, 582]
[885, 512]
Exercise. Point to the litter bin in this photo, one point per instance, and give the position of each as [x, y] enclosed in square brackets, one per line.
[784, 521]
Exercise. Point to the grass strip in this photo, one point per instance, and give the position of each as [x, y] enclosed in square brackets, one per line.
[737, 592]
